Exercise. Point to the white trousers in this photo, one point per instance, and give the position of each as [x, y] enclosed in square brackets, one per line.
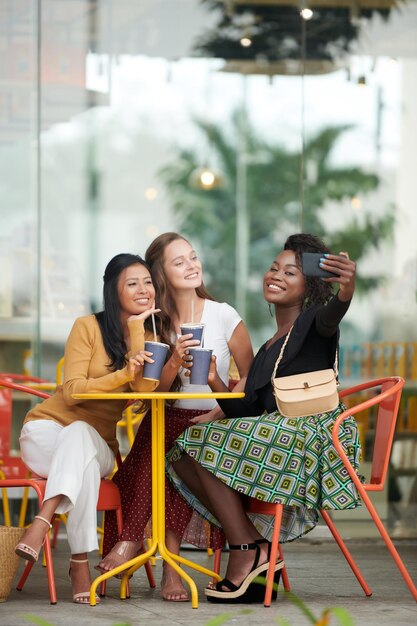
[73, 459]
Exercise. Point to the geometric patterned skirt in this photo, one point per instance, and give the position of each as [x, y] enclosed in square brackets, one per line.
[276, 459]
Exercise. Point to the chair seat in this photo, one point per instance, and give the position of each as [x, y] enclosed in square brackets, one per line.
[109, 496]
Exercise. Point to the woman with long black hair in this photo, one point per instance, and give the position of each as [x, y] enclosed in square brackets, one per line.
[72, 443]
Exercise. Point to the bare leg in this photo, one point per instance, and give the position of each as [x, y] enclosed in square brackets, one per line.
[121, 552]
[172, 588]
[34, 536]
[187, 470]
[80, 578]
[226, 505]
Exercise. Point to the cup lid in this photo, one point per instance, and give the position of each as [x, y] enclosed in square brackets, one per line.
[157, 343]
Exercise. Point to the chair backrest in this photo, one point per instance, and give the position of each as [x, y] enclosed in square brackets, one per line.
[5, 420]
[387, 400]
[5, 382]
[23, 378]
[13, 466]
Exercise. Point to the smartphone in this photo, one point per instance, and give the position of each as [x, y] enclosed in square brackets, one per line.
[310, 262]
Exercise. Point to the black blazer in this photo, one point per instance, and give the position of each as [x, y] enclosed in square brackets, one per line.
[311, 346]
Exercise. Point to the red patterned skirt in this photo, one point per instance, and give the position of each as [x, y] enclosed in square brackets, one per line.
[134, 479]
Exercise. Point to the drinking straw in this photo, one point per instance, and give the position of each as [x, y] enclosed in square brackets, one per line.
[154, 327]
[192, 311]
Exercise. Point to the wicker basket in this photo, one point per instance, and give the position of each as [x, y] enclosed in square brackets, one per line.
[9, 561]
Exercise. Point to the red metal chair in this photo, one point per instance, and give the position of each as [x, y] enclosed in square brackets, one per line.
[109, 499]
[386, 397]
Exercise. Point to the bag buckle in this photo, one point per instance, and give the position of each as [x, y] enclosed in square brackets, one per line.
[306, 385]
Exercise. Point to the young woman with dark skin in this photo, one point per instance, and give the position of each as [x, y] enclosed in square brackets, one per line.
[271, 450]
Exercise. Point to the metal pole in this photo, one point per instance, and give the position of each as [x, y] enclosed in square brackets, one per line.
[242, 213]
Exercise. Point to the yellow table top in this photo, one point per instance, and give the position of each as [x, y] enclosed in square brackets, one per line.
[155, 395]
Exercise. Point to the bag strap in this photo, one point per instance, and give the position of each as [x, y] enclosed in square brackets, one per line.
[279, 359]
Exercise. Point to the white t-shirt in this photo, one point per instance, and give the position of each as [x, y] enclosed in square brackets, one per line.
[220, 321]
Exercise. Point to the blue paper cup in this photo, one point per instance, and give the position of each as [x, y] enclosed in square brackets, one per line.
[201, 365]
[152, 371]
[195, 328]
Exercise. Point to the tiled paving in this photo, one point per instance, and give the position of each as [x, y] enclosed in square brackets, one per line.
[318, 575]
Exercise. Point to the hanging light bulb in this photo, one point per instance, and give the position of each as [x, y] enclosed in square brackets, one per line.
[306, 13]
[246, 42]
[205, 178]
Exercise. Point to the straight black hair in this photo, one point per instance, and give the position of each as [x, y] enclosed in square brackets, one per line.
[109, 318]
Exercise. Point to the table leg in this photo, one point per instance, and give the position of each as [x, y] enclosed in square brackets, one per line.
[158, 407]
[158, 520]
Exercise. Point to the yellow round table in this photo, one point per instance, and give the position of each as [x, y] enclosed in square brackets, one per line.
[158, 488]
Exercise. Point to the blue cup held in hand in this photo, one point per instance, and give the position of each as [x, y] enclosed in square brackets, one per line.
[201, 365]
[152, 371]
[196, 329]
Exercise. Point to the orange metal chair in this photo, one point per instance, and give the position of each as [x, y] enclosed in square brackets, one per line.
[109, 499]
[387, 401]
[387, 395]
[12, 467]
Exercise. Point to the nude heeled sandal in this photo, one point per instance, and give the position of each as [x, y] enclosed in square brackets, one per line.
[84, 596]
[27, 552]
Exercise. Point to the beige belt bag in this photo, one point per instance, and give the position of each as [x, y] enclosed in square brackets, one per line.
[305, 394]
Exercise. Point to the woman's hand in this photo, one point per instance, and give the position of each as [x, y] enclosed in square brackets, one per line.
[136, 362]
[214, 381]
[213, 374]
[346, 269]
[145, 314]
[212, 416]
[180, 355]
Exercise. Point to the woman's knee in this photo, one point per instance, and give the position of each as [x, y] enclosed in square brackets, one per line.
[85, 439]
[80, 433]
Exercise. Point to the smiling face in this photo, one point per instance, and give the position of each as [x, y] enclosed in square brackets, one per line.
[284, 283]
[135, 289]
[182, 266]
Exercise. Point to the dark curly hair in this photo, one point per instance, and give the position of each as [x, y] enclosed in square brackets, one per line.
[317, 291]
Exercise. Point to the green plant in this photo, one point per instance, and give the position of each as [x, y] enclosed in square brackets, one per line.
[273, 206]
[340, 613]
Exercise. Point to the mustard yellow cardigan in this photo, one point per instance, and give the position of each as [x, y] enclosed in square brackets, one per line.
[87, 370]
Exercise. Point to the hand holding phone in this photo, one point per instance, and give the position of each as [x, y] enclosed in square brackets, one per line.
[310, 262]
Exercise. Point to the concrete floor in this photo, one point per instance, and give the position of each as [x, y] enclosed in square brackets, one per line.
[318, 574]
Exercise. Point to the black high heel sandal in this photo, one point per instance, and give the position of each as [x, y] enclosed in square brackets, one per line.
[252, 588]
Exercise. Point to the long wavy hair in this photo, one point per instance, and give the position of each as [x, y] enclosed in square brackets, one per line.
[155, 258]
[109, 318]
[317, 291]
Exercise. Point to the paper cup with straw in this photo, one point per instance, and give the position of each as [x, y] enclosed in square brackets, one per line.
[152, 371]
[196, 330]
[155, 337]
